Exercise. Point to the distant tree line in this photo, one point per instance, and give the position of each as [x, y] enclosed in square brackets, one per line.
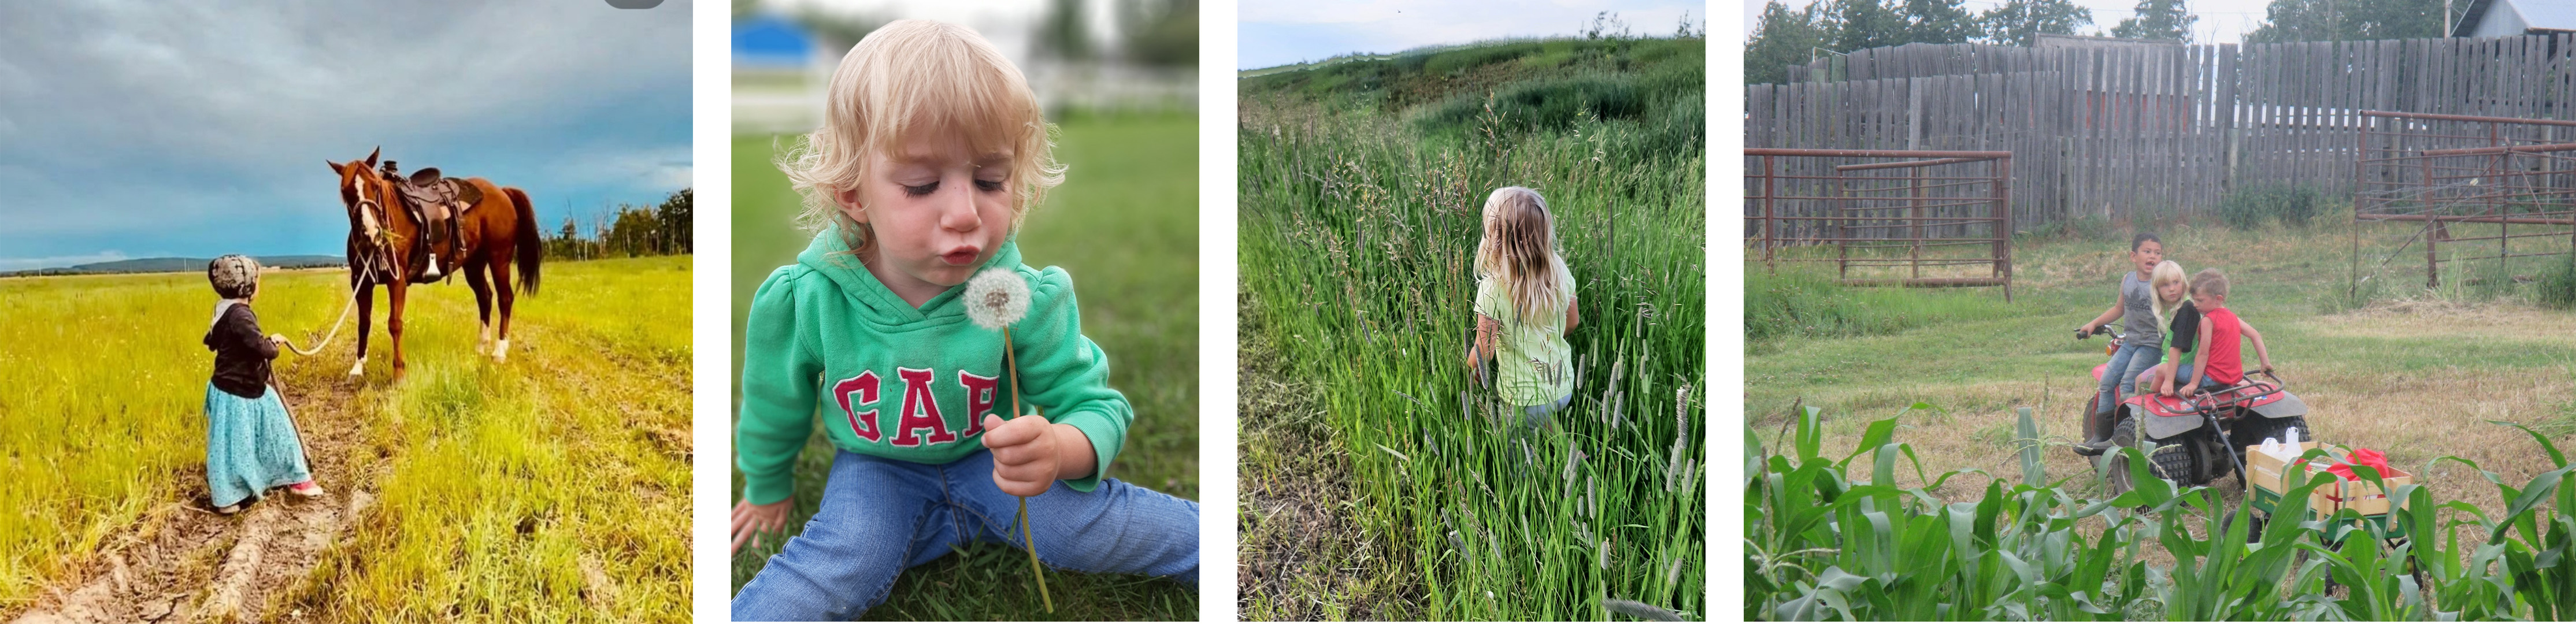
[1784, 36]
[628, 231]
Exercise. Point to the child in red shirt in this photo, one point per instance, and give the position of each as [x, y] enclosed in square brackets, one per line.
[2222, 361]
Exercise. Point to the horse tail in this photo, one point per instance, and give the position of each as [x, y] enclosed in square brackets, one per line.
[532, 245]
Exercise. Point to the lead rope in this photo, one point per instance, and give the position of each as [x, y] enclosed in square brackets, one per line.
[346, 304]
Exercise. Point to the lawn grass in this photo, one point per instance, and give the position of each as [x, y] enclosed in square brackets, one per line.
[1125, 225]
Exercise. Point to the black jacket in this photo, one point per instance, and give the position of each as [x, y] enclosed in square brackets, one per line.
[241, 353]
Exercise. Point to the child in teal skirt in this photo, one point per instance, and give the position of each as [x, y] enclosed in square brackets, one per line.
[251, 444]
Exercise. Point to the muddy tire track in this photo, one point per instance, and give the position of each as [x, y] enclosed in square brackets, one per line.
[182, 562]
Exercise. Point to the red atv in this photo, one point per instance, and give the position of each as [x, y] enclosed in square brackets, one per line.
[2200, 437]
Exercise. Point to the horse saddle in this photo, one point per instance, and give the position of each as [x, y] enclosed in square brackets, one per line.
[435, 201]
[426, 189]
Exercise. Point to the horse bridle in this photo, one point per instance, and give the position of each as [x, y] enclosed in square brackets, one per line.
[376, 237]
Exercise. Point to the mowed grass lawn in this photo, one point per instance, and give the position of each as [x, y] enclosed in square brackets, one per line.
[1125, 224]
[553, 487]
[2415, 374]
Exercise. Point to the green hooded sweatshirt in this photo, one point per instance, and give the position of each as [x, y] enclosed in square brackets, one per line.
[906, 383]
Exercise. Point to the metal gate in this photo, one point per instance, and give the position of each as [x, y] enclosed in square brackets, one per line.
[1884, 222]
[2512, 180]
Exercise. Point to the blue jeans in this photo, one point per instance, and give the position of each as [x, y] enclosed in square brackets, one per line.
[1535, 416]
[2148, 384]
[880, 516]
[2123, 372]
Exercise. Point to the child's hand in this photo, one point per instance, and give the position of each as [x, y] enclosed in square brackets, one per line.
[751, 521]
[1031, 454]
[277, 338]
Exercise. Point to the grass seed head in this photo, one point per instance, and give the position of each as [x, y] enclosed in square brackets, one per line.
[1640, 610]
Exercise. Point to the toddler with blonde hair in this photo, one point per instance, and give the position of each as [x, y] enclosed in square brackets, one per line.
[931, 152]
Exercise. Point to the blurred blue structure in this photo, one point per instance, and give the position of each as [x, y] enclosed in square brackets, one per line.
[772, 41]
[2506, 18]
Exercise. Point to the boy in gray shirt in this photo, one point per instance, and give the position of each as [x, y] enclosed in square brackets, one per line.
[2136, 310]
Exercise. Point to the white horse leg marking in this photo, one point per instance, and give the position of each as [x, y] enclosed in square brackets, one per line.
[502, 354]
[483, 342]
[358, 368]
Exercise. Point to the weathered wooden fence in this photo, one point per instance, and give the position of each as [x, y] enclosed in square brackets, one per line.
[2114, 131]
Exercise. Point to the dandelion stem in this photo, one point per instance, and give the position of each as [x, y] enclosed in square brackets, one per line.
[1010, 360]
[1027, 539]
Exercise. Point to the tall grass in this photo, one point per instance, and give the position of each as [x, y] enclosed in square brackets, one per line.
[2557, 287]
[1822, 542]
[1356, 234]
[551, 488]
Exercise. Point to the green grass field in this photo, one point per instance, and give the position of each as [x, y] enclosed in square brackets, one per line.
[1125, 224]
[2410, 371]
[550, 488]
[1362, 183]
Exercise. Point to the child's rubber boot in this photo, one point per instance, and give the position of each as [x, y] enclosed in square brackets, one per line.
[2127, 429]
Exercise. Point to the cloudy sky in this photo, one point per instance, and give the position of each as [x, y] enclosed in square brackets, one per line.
[1280, 32]
[140, 129]
[2221, 21]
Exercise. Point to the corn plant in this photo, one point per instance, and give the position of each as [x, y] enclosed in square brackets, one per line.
[1821, 545]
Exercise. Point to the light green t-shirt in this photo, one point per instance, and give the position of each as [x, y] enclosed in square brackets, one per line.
[1533, 365]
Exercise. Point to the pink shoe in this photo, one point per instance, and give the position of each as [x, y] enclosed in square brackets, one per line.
[306, 489]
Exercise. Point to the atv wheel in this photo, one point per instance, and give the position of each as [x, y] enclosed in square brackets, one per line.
[2117, 464]
[2253, 522]
[2253, 433]
[2172, 462]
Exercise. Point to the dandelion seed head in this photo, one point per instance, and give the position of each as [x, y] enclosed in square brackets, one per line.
[996, 298]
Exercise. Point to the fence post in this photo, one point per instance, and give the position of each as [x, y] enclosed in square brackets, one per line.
[2432, 260]
[1914, 184]
[1770, 193]
[2004, 222]
[2360, 156]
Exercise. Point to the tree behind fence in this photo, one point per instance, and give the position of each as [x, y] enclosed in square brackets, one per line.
[2126, 130]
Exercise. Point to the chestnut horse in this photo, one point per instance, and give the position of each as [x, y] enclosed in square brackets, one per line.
[498, 229]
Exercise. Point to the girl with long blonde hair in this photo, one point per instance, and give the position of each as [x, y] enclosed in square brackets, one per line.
[1524, 305]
